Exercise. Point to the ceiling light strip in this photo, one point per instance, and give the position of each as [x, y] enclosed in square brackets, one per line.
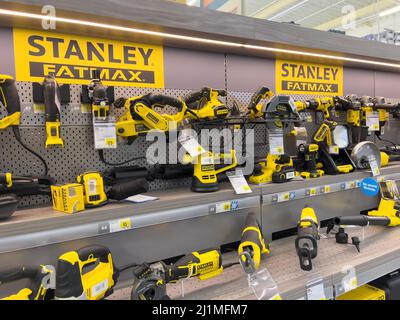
[194, 39]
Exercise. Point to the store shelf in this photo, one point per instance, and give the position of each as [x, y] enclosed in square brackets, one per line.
[380, 254]
[43, 226]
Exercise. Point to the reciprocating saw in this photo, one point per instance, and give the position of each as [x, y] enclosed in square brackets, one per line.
[52, 103]
[252, 245]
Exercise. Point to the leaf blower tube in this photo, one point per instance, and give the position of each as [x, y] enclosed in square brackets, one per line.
[362, 221]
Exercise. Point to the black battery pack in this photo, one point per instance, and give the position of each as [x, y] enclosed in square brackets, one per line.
[390, 284]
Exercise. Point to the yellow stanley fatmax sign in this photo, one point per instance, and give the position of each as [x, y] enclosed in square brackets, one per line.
[308, 78]
[72, 58]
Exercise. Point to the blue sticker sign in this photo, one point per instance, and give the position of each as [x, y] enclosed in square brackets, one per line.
[370, 187]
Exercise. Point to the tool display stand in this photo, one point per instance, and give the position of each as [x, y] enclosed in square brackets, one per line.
[179, 222]
[336, 270]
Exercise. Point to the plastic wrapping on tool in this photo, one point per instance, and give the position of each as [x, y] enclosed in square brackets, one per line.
[263, 286]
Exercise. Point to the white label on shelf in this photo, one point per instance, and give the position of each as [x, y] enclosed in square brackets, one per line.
[120, 225]
[283, 197]
[334, 150]
[349, 281]
[239, 182]
[105, 135]
[99, 288]
[374, 166]
[276, 147]
[290, 175]
[372, 121]
[315, 290]
[351, 185]
[191, 145]
[223, 207]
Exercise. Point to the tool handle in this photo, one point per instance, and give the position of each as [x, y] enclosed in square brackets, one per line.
[125, 189]
[52, 99]
[10, 274]
[362, 221]
[9, 94]
[94, 252]
[162, 100]
[194, 97]
[257, 96]
[24, 186]
[99, 93]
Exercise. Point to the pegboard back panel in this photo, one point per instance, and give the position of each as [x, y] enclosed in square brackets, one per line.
[79, 155]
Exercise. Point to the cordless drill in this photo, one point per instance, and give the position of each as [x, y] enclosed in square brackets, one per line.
[307, 161]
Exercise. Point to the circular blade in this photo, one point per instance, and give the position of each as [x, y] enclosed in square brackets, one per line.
[363, 151]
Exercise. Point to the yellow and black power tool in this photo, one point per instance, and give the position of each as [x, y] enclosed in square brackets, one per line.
[10, 100]
[39, 286]
[150, 280]
[252, 245]
[93, 189]
[255, 108]
[276, 168]
[141, 115]
[325, 105]
[98, 97]
[206, 105]
[52, 103]
[205, 175]
[306, 242]
[307, 158]
[86, 274]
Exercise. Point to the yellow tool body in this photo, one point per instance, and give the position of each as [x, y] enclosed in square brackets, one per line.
[142, 117]
[255, 108]
[388, 209]
[52, 103]
[306, 242]
[276, 168]
[252, 245]
[307, 161]
[93, 186]
[205, 104]
[150, 280]
[10, 100]
[39, 282]
[205, 176]
[73, 282]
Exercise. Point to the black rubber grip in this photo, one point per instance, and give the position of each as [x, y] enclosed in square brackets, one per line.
[8, 205]
[9, 96]
[10, 274]
[27, 186]
[123, 190]
[163, 100]
[257, 96]
[194, 96]
[52, 99]
[96, 251]
[361, 221]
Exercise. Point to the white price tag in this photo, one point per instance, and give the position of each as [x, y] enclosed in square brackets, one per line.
[105, 135]
[191, 145]
[276, 147]
[121, 225]
[372, 121]
[283, 197]
[374, 166]
[334, 150]
[239, 182]
[315, 290]
[351, 185]
[223, 207]
[350, 284]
